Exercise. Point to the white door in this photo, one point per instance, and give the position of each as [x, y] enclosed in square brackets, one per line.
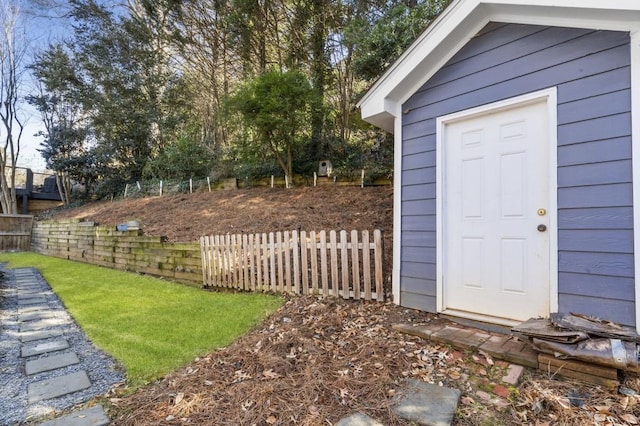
[495, 219]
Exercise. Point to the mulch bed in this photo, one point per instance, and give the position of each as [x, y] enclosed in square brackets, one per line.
[317, 360]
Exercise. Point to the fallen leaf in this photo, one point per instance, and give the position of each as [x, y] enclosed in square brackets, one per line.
[599, 417]
[178, 399]
[629, 418]
[467, 400]
[270, 374]
[314, 410]
[271, 420]
[603, 409]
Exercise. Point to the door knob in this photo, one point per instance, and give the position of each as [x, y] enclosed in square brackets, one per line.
[542, 228]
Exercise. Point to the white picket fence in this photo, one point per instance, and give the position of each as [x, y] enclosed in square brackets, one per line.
[347, 265]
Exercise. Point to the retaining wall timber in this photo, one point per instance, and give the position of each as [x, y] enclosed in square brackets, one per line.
[125, 250]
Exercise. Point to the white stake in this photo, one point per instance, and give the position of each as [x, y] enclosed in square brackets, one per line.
[272, 181]
[209, 183]
[286, 181]
[315, 179]
[190, 186]
[362, 181]
[161, 187]
[126, 189]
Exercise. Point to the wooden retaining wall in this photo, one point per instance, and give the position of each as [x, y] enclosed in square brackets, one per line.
[125, 250]
[15, 232]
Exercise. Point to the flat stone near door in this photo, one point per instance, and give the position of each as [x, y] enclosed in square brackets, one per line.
[426, 404]
[42, 348]
[58, 386]
[93, 416]
[50, 363]
[358, 419]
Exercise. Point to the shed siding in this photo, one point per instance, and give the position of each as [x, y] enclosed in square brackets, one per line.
[591, 70]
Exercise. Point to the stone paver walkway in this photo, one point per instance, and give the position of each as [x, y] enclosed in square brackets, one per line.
[44, 349]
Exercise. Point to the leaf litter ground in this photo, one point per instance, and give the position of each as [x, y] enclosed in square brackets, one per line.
[318, 360]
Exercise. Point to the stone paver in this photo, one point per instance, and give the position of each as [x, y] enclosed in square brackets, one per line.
[32, 301]
[35, 315]
[426, 404]
[43, 348]
[57, 386]
[358, 419]
[32, 290]
[94, 416]
[50, 363]
[40, 324]
[32, 336]
[29, 309]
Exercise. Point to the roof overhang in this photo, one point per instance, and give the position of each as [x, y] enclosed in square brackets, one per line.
[461, 21]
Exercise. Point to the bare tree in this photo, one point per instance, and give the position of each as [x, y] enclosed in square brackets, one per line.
[12, 54]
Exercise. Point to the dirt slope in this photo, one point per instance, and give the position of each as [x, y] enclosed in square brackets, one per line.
[186, 217]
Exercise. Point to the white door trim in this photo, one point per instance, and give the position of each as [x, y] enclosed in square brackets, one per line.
[550, 97]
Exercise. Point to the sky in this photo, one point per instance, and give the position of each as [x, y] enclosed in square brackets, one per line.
[43, 24]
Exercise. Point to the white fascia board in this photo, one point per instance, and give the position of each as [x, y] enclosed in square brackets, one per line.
[628, 5]
[597, 19]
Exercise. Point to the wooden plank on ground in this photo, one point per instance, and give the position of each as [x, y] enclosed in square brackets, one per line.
[574, 365]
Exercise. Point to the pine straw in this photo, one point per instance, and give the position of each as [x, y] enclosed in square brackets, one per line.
[318, 360]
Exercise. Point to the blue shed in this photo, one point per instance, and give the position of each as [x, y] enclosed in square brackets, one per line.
[517, 145]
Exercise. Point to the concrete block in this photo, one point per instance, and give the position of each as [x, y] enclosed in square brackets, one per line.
[426, 404]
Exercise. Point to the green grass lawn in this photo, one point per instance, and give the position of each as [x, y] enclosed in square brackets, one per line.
[151, 326]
